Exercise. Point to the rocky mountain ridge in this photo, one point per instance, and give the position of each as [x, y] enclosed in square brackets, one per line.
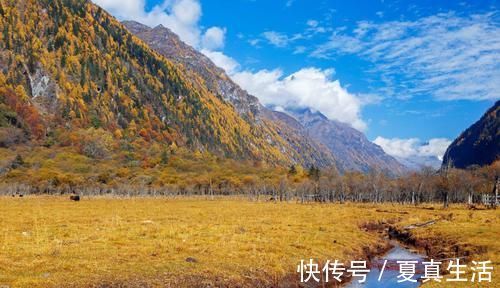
[350, 147]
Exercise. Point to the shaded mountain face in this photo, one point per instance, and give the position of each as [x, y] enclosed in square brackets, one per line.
[350, 147]
[292, 140]
[298, 138]
[479, 144]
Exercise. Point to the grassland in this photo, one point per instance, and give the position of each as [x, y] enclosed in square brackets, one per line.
[475, 232]
[52, 242]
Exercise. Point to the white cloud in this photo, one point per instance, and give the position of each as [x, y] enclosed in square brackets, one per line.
[447, 56]
[121, 8]
[181, 16]
[308, 87]
[435, 147]
[277, 39]
[213, 39]
[413, 147]
[221, 60]
[282, 40]
[187, 11]
[313, 28]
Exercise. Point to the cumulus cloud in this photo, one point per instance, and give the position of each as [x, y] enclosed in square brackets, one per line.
[447, 56]
[213, 39]
[413, 147]
[181, 16]
[309, 87]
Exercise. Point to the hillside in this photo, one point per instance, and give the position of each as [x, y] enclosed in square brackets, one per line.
[295, 143]
[327, 140]
[68, 66]
[479, 144]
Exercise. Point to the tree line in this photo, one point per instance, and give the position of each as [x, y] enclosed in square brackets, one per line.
[204, 175]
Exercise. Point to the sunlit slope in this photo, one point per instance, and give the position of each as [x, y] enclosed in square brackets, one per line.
[69, 65]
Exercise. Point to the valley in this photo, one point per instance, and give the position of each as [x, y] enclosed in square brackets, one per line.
[194, 242]
[135, 153]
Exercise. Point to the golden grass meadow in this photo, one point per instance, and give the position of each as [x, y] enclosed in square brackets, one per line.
[99, 242]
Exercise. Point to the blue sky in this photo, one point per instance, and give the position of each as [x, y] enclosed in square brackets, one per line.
[405, 72]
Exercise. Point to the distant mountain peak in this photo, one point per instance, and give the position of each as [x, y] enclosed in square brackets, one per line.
[306, 115]
[136, 26]
[350, 147]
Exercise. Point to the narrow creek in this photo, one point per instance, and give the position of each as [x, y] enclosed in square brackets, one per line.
[391, 272]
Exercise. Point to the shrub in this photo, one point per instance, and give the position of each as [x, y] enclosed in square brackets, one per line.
[11, 136]
[95, 143]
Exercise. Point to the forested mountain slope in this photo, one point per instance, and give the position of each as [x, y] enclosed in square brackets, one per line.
[67, 67]
[479, 144]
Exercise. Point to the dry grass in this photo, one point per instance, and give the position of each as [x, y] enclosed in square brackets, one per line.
[477, 231]
[50, 241]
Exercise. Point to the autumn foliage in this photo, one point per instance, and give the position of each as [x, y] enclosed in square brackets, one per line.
[68, 65]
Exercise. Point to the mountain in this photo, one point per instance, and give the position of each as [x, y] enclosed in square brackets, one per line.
[479, 144]
[168, 44]
[67, 67]
[294, 140]
[332, 141]
[350, 147]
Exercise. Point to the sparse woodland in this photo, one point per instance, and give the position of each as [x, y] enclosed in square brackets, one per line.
[140, 170]
[89, 110]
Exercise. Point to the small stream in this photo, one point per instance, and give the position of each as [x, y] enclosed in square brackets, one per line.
[391, 272]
